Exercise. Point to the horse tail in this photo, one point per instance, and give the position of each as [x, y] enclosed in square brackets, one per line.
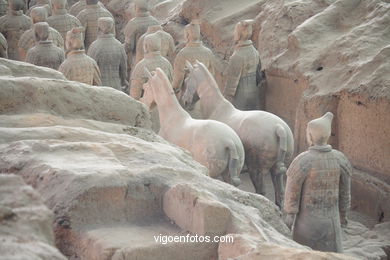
[282, 149]
[234, 166]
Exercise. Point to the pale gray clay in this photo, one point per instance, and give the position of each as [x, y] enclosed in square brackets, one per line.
[27, 40]
[41, 3]
[135, 28]
[13, 25]
[78, 66]
[60, 19]
[45, 53]
[110, 55]
[211, 143]
[318, 190]
[243, 74]
[89, 20]
[267, 139]
[194, 50]
[77, 7]
[151, 61]
[3, 46]
[3, 7]
[167, 43]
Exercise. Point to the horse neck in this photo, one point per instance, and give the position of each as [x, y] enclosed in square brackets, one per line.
[211, 98]
[169, 109]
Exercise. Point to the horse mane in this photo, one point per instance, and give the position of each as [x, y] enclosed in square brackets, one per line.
[207, 75]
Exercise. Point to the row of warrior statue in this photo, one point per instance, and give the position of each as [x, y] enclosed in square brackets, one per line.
[86, 34]
[81, 44]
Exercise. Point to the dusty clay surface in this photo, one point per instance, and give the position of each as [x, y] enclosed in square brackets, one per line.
[25, 222]
[106, 179]
[105, 184]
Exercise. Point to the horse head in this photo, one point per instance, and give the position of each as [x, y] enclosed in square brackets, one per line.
[190, 87]
[157, 88]
[148, 95]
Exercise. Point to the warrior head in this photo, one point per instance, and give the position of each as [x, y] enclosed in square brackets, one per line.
[16, 5]
[38, 14]
[141, 6]
[58, 4]
[75, 39]
[41, 31]
[152, 43]
[192, 32]
[105, 25]
[318, 130]
[243, 30]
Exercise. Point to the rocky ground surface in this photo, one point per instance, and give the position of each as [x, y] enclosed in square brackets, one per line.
[25, 222]
[112, 185]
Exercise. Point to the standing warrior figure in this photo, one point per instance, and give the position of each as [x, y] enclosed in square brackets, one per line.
[3, 46]
[110, 55]
[27, 40]
[78, 66]
[318, 190]
[135, 28]
[89, 20]
[152, 61]
[45, 53]
[167, 43]
[12, 26]
[61, 20]
[243, 74]
[192, 52]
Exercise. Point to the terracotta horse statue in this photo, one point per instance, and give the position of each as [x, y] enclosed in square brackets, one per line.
[267, 139]
[211, 143]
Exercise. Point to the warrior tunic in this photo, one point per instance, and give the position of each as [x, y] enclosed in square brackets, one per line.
[317, 189]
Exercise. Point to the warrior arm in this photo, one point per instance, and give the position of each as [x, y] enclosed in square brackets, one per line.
[178, 72]
[296, 176]
[345, 190]
[232, 75]
[130, 37]
[123, 69]
[136, 88]
[96, 75]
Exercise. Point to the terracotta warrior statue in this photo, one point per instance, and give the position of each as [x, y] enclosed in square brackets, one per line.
[3, 46]
[135, 28]
[110, 55]
[318, 190]
[60, 19]
[78, 66]
[3, 7]
[40, 3]
[89, 20]
[45, 53]
[27, 40]
[192, 52]
[12, 26]
[151, 61]
[167, 43]
[77, 7]
[243, 74]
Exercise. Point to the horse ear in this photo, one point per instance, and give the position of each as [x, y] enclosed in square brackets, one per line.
[189, 65]
[203, 67]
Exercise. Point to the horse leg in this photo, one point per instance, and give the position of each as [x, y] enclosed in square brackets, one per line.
[257, 180]
[277, 179]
